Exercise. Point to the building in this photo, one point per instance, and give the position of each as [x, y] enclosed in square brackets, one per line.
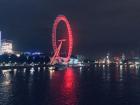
[0, 39]
[6, 47]
[0, 43]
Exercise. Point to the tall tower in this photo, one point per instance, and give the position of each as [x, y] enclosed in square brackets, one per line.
[0, 42]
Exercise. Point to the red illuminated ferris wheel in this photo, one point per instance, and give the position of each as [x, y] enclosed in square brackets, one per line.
[56, 47]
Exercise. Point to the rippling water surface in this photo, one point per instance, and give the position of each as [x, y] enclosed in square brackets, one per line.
[73, 86]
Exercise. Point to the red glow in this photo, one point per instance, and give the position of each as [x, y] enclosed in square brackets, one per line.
[64, 87]
[69, 79]
[54, 40]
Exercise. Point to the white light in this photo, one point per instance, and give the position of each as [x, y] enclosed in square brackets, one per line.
[103, 61]
[24, 70]
[103, 66]
[6, 71]
[121, 67]
[32, 70]
[18, 55]
[136, 63]
[51, 73]
[38, 68]
[15, 69]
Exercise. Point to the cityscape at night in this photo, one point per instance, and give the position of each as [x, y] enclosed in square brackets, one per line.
[75, 52]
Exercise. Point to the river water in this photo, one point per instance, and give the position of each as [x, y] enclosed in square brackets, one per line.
[102, 85]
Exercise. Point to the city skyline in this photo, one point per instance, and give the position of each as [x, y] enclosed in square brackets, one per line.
[69, 52]
[95, 25]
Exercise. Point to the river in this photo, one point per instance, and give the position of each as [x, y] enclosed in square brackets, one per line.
[102, 85]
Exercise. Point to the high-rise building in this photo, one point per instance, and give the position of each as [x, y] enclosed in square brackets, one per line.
[0, 38]
[0, 42]
[6, 46]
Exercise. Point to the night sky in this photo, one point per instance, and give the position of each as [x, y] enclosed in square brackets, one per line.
[96, 24]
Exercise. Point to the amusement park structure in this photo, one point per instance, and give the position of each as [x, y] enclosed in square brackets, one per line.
[56, 47]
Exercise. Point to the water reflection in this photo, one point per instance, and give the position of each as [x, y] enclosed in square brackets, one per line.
[5, 86]
[68, 79]
[65, 86]
[51, 72]
[117, 85]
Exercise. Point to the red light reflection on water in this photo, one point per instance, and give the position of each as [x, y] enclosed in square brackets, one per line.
[64, 88]
[68, 79]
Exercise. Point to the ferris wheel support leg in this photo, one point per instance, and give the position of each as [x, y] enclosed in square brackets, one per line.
[56, 53]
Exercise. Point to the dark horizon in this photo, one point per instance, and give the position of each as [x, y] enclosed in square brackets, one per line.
[96, 24]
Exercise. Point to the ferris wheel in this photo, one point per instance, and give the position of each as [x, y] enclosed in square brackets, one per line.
[57, 46]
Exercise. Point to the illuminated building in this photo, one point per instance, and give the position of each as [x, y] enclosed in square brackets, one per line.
[6, 46]
[108, 58]
[123, 57]
[0, 42]
[73, 61]
[0, 38]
